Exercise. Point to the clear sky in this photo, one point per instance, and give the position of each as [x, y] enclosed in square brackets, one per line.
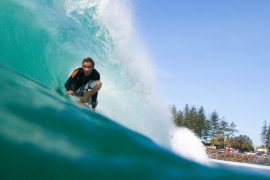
[212, 53]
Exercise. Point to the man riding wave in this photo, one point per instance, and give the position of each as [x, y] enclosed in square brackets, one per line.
[85, 83]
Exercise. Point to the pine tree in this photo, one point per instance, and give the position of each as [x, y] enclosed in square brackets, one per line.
[223, 131]
[180, 118]
[268, 137]
[201, 122]
[264, 134]
[214, 124]
[177, 117]
[174, 115]
[206, 130]
[232, 129]
[185, 116]
[192, 119]
[224, 127]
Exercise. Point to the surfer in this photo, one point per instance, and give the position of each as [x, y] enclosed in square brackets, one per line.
[85, 83]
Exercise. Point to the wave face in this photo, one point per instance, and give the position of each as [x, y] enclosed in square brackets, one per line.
[44, 134]
[47, 40]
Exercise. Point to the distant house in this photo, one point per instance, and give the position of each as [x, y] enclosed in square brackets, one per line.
[263, 150]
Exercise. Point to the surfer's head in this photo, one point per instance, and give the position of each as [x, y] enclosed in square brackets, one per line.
[88, 65]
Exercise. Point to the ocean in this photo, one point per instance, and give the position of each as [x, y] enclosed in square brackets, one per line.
[44, 134]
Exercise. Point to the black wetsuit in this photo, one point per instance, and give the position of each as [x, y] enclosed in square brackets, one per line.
[78, 80]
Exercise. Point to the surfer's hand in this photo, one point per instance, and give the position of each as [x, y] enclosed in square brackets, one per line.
[71, 92]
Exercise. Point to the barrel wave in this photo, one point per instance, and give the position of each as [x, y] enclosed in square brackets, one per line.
[45, 135]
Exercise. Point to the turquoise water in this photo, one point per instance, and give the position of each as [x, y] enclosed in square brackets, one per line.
[44, 134]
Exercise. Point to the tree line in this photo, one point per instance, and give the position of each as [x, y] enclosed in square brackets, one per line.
[211, 129]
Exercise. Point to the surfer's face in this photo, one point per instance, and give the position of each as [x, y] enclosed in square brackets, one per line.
[87, 68]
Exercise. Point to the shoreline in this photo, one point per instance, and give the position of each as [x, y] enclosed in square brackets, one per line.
[262, 169]
[238, 157]
[232, 163]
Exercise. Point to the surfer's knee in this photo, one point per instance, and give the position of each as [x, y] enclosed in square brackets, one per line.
[98, 85]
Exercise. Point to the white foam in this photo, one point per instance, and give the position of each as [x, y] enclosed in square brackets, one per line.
[186, 144]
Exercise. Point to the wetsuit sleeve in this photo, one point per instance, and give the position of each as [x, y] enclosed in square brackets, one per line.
[71, 82]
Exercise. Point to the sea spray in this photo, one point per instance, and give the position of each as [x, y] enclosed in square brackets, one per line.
[186, 144]
[129, 93]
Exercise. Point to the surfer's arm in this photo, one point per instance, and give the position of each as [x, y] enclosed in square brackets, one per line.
[70, 84]
[70, 87]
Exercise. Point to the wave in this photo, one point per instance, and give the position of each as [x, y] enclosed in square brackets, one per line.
[44, 134]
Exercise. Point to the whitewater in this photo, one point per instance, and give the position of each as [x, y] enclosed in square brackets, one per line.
[44, 134]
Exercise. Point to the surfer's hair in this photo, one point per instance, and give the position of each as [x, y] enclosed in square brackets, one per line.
[88, 59]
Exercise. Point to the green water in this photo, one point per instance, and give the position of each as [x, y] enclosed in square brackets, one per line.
[45, 135]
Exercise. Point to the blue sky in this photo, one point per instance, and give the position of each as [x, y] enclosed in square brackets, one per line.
[212, 53]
